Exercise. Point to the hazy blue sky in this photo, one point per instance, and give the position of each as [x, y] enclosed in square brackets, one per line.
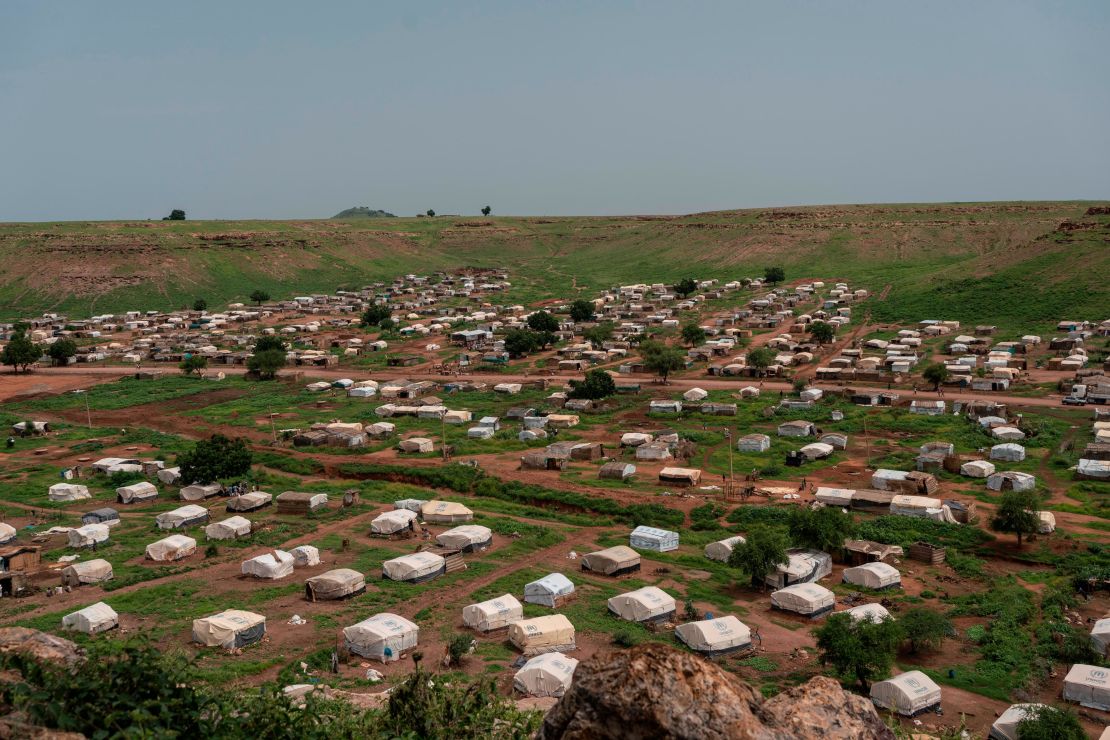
[229, 109]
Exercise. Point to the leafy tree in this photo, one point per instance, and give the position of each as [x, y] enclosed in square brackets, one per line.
[693, 334]
[763, 550]
[268, 342]
[260, 297]
[924, 629]
[600, 334]
[520, 342]
[375, 314]
[686, 286]
[597, 384]
[200, 305]
[821, 529]
[1050, 723]
[543, 321]
[861, 648]
[193, 364]
[936, 374]
[458, 647]
[20, 352]
[62, 350]
[387, 324]
[661, 359]
[215, 458]
[430, 213]
[175, 215]
[487, 211]
[822, 332]
[761, 358]
[265, 364]
[581, 310]
[1017, 514]
[774, 275]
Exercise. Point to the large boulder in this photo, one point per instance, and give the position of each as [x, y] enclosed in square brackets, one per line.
[39, 646]
[655, 691]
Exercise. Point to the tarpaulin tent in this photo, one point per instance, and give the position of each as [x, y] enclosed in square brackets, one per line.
[753, 443]
[445, 512]
[174, 547]
[874, 576]
[305, 556]
[272, 565]
[105, 515]
[652, 538]
[1089, 686]
[1008, 452]
[977, 468]
[647, 604]
[874, 612]
[908, 694]
[1046, 522]
[817, 451]
[136, 493]
[92, 619]
[680, 476]
[1006, 726]
[551, 590]
[381, 637]
[391, 522]
[1100, 637]
[468, 537]
[340, 583]
[250, 501]
[410, 504]
[199, 491]
[715, 636]
[301, 502]
[919, 506]
[233, 628]
[7, 533]
[1012, 480]
[802, 566]
[841, 497]
[807, 599]
[228, 529]
[721, 550]
[612, 561]
[169, 476]
[415, 568]
[493, 614]
[89, 571]
[549, 674]
[185, 516]
[68, 492]
[552, 633]
[88, 535]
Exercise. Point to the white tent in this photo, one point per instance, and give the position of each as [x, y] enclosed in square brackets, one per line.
[1008, 452]
[807, 599]
[1007, 433]
[174, 547]
[1006, 726]
[817, 451]
[753, 443]
[445, 512]
[835, 496]
[647, 604]
[305, 556]
[7, 533]
[409, 504]
[88, 535]
[1012, 479]
[468, 537]
[802, 566]
[1046, 522]
[1089, 686]
[89, 571]
[549, 590]
[650, 538]
[553, 633]
[334, 584]
[612, 561]
[382, 637]
[493, 614]
[92, 619]
[228, 529]
[272, 565]
[169, 476]
[68, 492]
[416, 444]
[635, 439]
[920, 506]
[715, 636]
[415, 568]
[977, 468]
[548, 674]
[721, 550]
[182, 517]
[873, 575]
[695, 394]
[199, 492]
[874, 612]
[908, 693]
[104, 515]
[136, 492]
[233, 628]
[1100, 637]
[394, 521]
[250, 501]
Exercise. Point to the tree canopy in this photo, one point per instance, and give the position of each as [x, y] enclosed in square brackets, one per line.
[430, 213]
[175, 215]
[821, 529]
[774, 275]
[265, 364]
[1017, 514]
[761, 358]
[599, 334]
[861, 648]
[763, 550]
[936, 374]
[924, 629]
[62, 350]
[20, 352]
[693, 334]
[542, 321]
[686, 286]
[215, 458]
[486, 210]
[661, 359]
[200, 305]
[193, 363]
[260, 296]
[374, 315]
[597, 384]
[521, 342]
[269, 341]
[1050, 723]
[822, 332]
[581, 310]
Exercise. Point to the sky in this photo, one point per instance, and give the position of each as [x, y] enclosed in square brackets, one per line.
[250, 109]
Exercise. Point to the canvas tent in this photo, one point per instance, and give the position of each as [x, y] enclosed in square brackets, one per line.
[105, 515]
[1089, 686]
[841, 497]
[1046, 522]
[409, 504]
[552, 633]
[612, 561]
[416, 445]
[874, 576]
[392, 522]
[647, 604]
[803, 566]
[174, 547]
[233, 628]
[914, 505]
[721, 550]
[199, 491]
[271, 565]
[415, 568]
[1006, 726]
[340, 583]
[305, 556]
[651, 538]
[88, 535]
[908, 694]
[494, 614]
[816, 451]
[68, 492]
[977, 468]
[250, 501]
[468, 538]
[92, 619]
[680, 476]
[807, 599]
[382, 637]
[551, 590]
[1008, 452]
[228, 529]
[548, 674]
[169, 476]
[7, 533]
[874, 612]
[753, 443]
[715, 636]
[445, 512]
[616, 470]
[182, 517]
[89, 571]
[1012, 480]
[1100, 637]
[136, 493]
[301, 502]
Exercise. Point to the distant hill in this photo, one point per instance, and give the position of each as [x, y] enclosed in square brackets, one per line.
[363, 212]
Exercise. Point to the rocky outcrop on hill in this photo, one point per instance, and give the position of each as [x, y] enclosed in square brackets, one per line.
[39, 646]
[363, 212]
[655, 691]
